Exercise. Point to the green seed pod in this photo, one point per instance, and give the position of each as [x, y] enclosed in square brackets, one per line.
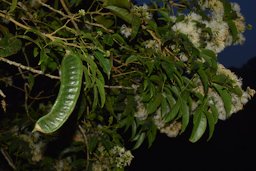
[71, 81]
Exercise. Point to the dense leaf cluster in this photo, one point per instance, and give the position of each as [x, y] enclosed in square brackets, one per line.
[146, 69]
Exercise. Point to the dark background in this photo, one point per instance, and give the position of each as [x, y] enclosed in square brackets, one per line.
[233, 145]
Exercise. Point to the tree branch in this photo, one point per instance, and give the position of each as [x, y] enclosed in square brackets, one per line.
[28, 68]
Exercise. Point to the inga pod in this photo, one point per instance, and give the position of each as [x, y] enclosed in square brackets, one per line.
[71, 81]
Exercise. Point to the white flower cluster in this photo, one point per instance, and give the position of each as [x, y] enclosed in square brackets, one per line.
[141, 112]
[152, 44]
[220, 36]
[117, 157]
[215, 98]
[120, 156]
[142, 12]
[237, 102]
[171, 130]
[35, 145]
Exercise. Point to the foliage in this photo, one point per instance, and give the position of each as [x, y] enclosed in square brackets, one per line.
[146, 69]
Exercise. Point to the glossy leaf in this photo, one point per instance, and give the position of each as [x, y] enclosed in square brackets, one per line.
[131, 59]
[136, 23]
[215, 113]
[122, 13]
[100, 86]
[204, 79]
[95, 98]
[184, 110]
[174, 111]
[139, 141]
[233, 28]
[104, 62]
[154, 103]
[226, 98]
[151, 135]
[198, 128]
[165, 107]
[211, 124]
[88, 82]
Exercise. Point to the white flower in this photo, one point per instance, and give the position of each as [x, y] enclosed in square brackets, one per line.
[158, 120]
[81, 12]
[121, 157]
[141, 112]
[126, 31]
[172, 130]
[152, 44]
[189, 28]
[220, 35]
[183, 57]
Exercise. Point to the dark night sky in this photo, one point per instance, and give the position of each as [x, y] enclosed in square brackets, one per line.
[237, 56]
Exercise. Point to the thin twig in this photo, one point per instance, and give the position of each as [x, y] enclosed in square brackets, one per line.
[86, 144]
[118, 87]
[99, 25]
[8, 159]
[54, 10]
[69, 13]
[14, 21]
[28, 68]
[122, 74]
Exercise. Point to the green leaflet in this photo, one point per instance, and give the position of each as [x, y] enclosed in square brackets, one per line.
[121, 13]
[210, 61]
[13, 5]
[136, 23]
[154, 103]
[104, 20]
[232, 27]
[139, 140]
[215, 113]
[151, 134]
[108, 40]
[211, 123]
[88, 83]
[174, 111]
[71, 81]
[131, 59]
[9, 45]
[134, 129]
[119, 3]
[199, 127]
[184, 110]
[225, 96]
[95, 98]
[100, 85]
[204, 78]
[104, 62]
[165, 107]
